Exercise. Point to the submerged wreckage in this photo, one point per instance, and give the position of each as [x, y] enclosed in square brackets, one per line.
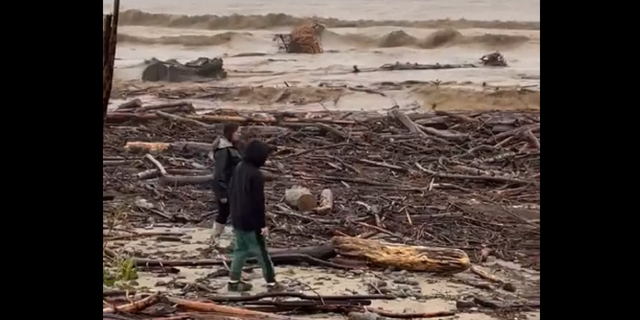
[303, 39]
[201, 69]
[495, 59]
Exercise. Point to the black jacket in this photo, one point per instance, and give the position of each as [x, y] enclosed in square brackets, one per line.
[227, 157]
[246, 190]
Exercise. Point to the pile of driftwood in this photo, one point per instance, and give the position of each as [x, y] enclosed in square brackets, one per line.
[468, 181]
[259, 306]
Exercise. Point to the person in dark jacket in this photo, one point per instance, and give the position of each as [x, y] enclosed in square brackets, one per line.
[227, 157]
[247, 201]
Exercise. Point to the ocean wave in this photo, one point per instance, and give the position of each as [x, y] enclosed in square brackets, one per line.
[440, 38]
[184, 40]
[273, 20]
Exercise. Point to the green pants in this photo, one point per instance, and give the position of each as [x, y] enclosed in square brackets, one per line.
[248, 244]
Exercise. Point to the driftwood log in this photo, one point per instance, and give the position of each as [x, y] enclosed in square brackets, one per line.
[158, 147]
[226, 310]
[404, 257]
[326, 201]
[301, 198]
[163, 175]
[313, 255]
[418, 66]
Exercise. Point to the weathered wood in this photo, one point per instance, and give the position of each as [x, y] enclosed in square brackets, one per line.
[278, 257]
[157, 147]
[408, 123]
[301, 198]
[106, 36]
[326, 201]
[226, 310]
[417, 66]
[109, 58]
[411, 258]
[130, 105]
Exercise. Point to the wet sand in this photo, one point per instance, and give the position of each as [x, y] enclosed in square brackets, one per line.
[420, 97]
[416, 292]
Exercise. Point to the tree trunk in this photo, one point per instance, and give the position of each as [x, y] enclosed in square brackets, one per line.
[410, 258]
[300, 198]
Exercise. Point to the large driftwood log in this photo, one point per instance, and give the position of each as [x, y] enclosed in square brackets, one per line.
[411, 258]
[417, 66]
[301, 198]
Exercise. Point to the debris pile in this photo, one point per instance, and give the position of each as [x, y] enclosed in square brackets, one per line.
[304, 39]
[201, 69]
[495, 59]
[256, 307]
[449, 189]
[458, 180]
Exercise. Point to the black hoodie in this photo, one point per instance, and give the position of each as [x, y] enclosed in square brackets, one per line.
[246, 190]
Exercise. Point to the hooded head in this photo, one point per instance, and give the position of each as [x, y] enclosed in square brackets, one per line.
[231, 131]
[256, 153]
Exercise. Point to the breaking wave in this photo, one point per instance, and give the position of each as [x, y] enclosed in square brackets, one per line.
[440, 38]
[185, 40]
[272, 20]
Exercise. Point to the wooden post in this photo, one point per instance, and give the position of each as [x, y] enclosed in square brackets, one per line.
[106, 36]
[110, 40]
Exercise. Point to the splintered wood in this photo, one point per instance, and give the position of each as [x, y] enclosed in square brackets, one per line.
[403, 257]
[326, 201]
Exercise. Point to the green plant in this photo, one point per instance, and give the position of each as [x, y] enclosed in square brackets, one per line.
[107, 278]
[124, 270]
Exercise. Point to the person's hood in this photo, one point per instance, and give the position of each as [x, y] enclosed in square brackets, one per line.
[256, 153]
[224, 143]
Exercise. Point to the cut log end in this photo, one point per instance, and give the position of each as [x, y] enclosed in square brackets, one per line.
[300, 198]
[306, 202]
[411, 258]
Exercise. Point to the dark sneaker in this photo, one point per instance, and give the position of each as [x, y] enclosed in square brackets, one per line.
[239, 286]
[275, 288]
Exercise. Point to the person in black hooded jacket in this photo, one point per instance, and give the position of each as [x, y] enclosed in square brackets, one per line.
[247, 200]
[227, 157]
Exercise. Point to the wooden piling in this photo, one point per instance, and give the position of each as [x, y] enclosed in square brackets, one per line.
[110, 39]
